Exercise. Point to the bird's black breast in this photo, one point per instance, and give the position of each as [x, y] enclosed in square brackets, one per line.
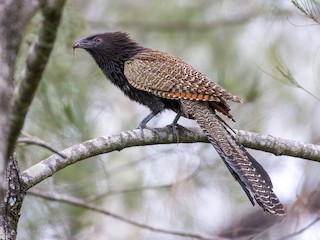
[113, 69]
[154, 103]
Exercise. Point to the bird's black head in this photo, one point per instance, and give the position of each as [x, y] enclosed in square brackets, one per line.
[101, 41]
[110, 51]
[110, 46]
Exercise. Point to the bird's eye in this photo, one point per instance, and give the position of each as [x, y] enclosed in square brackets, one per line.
[98, 40]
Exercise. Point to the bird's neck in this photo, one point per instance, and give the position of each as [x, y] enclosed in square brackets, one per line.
[112, 64]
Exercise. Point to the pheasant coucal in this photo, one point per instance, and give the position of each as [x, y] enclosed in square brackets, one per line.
[161, 81]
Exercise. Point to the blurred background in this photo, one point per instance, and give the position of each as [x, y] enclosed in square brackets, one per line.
[266, 52]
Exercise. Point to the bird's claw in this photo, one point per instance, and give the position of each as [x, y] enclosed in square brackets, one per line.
[141, 127]
[174, 127]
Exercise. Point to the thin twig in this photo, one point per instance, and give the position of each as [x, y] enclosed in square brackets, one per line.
[285, 72]
[81, 203]
[38, 142]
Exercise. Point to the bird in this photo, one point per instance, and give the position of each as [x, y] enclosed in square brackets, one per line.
[161, 82]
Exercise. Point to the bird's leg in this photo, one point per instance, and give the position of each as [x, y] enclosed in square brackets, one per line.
[174, 125]
[143, 123]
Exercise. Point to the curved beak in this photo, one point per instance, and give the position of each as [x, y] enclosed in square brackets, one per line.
[82, 43]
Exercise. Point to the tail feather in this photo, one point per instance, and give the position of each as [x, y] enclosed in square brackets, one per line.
[245, 169]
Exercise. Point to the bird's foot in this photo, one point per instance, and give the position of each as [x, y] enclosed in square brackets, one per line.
[143, 126]
[174, 128]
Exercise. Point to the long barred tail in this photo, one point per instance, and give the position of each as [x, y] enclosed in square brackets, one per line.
[246, 170]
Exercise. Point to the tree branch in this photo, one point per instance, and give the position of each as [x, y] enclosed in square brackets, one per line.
[101, 145]
[13, 200]
[36, 62]
[36, 141]
[81, 203]
[279, 146]
[14, 15]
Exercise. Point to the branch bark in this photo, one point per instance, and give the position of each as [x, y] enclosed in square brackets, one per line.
[279, 146]
[13, 200]
[14, 17]
[101, 145]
